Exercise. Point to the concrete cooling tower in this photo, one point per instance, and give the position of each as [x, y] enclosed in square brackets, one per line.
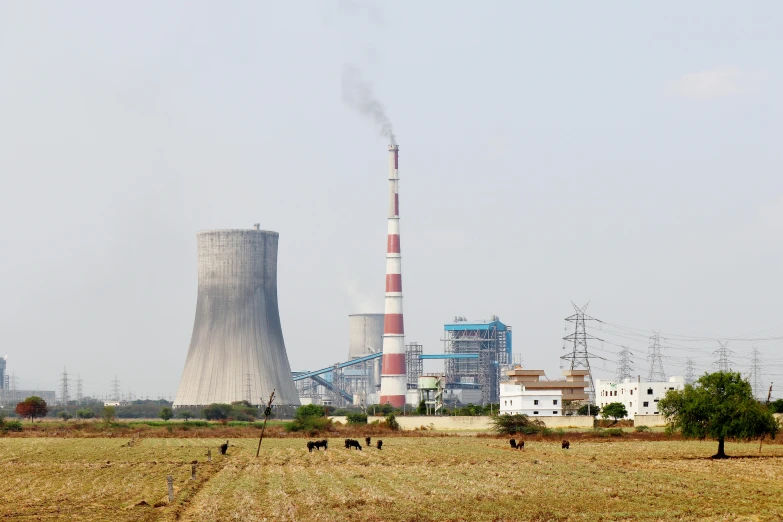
[365, 335]
[237, 350]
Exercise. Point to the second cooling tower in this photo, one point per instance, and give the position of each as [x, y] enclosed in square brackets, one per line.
[237, 350]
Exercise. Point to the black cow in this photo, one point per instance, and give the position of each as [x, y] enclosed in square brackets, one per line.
[224, 448]
[310, 446]
[565, 444]
[367, 440]
[321, 444]
[379, 443]
[513, 443]
[350, 443]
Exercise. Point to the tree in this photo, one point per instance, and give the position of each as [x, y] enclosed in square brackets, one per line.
[776, 406]
[217, 411]
[185, 415]
[32, 407]
[588, 409]
[109, 412]
[518, 423]
[720, 406]
[421, 409]
[85, 413]
[64, 415]
[615, 410]
[165, 414]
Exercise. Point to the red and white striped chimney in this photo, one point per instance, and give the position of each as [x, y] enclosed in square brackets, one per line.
[394, 378]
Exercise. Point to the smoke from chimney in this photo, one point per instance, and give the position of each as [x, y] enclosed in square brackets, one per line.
[359, 94]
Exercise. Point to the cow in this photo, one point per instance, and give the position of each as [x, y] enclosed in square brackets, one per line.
[310, 446]
[367, 440]
[350, 443]
[565, 444]
[513, 443]
[321, 444]
[224, 448]
[379, 443]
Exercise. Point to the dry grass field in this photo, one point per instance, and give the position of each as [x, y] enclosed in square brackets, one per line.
[411, 479]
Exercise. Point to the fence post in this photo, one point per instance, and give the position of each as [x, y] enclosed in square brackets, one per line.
[209, 455]
[192, 472]
[170, 483]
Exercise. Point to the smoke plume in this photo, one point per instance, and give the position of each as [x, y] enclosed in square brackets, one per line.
[358, 93]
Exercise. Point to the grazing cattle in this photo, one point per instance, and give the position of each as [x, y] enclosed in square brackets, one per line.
[321, 444]
[521, 444]
[513, 443]
[367, 440]
[350, 443]
[565, 444]
[379, 443]
[224, 448]
[310, 446]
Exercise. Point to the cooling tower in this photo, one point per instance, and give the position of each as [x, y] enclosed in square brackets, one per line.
[237, 350]
[365, 335]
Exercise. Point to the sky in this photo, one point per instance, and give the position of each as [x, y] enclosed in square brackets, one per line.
[620, 154]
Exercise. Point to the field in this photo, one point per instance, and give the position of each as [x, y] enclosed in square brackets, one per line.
[411, 479]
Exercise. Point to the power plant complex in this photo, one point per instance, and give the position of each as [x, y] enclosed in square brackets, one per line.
[237, 352]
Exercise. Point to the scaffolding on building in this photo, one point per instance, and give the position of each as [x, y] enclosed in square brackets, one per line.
[413, 364]
[491, 342]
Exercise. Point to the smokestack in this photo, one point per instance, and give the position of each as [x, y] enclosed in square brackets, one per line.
[394, 377]
[237, 350]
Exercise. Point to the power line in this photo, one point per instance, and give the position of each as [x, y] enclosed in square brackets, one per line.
[249, 390]
[755, 373]
[723, 363]
[79, 395]
[115, 388]
[689, 371]
[64, 394]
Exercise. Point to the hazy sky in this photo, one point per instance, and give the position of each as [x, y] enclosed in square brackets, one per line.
[623, 154]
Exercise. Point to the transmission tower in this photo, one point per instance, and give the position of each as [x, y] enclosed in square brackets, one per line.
[690, 372]
[64, 395]
[115, 389]
[723, 363]
[79, 395]
[755, 373]
[656, 373]
[579, 356]
[249, 390]
[625, 367]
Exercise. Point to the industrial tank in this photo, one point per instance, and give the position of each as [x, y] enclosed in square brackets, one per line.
[237, 350]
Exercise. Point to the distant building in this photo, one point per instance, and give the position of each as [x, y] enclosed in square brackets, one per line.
[572, 388]
[112, 403]
[518, 399]
[639, 397]
[11, 397]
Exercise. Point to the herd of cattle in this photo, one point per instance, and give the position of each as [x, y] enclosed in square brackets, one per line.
[349, 443]
[521, 444]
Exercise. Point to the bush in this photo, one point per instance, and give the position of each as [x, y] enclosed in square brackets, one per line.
[357, 418]
[391, 422]
[13, 425]
[588, 409]
[520, 423]
[776, 406]
[165, 413]
[85, 413]
[217, 411]
[312, 425]
[614, 432]
[310, 410]
[642, 429]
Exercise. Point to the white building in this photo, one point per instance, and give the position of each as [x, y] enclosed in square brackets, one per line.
[515, 399]
[639, 397]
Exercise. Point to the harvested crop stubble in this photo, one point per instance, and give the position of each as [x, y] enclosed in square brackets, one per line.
[444, 478]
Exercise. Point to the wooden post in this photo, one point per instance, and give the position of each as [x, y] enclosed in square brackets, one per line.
[192, 472]
[209, 455]
[267, 413]
[170, 483]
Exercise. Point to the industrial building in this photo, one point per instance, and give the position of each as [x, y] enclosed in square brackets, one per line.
[10, 396]
[639, 397]
[518, 399]
[572, 386]
[475, 354]
[237, 350]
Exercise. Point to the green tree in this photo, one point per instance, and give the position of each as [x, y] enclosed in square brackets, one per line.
[356, 418]
[85, 413]
[720, 406]
[217, 411]
[109, 412]
[422, 408]
[309, 410]
[186, 415]
[64, 415]
[776, 406]
[518, 423]
[588, 409]
[165, 414]
[391, 422]
[615, 410]
[31, 408]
